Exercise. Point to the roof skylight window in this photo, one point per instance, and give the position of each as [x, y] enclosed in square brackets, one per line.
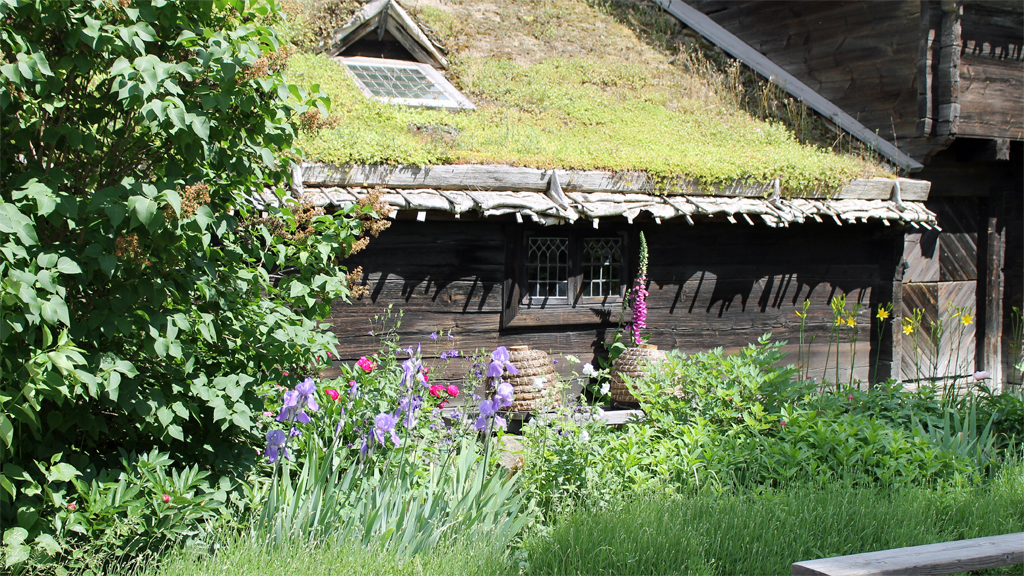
[408, 83]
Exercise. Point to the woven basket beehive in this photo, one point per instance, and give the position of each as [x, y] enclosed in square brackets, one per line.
[536, 375]
[632, 362]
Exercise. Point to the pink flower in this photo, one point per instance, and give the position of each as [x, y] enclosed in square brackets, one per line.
[783, 423]
[332, 393]
[72, 507]
[452, 390]
[435, 390]
[329, 355]
[441, 406]
[351, 382]
[283, 372]
[167, 498]
[268, 414]
[850, 397]
[366, 364]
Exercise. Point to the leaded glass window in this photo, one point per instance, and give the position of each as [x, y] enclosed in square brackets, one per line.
[548, 267]
[602, 266]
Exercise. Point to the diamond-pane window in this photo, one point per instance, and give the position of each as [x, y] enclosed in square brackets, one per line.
[548, 267]
[602, 266]
[409, 83]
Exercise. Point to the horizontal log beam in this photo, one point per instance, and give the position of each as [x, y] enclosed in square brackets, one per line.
[496, 177]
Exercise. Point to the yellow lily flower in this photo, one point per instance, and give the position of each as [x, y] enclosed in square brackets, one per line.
[882, 313]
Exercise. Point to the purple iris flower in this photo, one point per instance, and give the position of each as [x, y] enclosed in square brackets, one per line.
[453, 353]
[488, 409]
[433, 335]
[500, 363]
[409, 407]
[504, 394]
[297, 401]
[444, 356]
[385, 423]
[276, 440]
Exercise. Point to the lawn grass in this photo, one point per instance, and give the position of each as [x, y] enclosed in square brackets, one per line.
[752, 532]
[243, 555]
[763, 533]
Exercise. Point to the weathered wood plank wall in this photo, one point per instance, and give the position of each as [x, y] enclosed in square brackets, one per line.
[713, 285]
[992, 71]
[918, 72]
[942, 274]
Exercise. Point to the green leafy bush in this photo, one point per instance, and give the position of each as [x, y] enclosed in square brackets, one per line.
[734, 392]
[149, 296]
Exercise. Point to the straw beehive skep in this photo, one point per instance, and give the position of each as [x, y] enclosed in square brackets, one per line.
[536, 374]
[632, 363]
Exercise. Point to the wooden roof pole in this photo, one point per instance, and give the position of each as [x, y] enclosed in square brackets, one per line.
[762, 65]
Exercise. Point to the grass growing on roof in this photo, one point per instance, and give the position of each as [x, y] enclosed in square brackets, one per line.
[550, 94]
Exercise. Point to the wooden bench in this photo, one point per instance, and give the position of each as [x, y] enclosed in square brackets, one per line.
[942, 558]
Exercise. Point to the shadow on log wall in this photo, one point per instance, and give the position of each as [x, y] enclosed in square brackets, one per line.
[710, 285]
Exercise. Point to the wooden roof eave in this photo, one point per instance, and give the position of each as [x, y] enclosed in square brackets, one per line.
[546, 197]
[517, 178]
[761, 64]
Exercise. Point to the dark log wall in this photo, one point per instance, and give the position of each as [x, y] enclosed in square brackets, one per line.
[992, 71]
[862, 56]
[711, 285]
[889, 64]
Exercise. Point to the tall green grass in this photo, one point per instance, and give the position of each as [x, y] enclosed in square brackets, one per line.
[241, 555]
[764, 532]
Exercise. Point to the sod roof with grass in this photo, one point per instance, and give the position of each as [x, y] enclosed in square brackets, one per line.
[576, 85]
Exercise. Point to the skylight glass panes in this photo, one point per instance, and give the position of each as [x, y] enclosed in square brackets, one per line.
[408, 83]
[396, 82]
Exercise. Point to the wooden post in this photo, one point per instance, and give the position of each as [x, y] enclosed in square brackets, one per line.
[948, 81]
[990, 357]
[896, 365]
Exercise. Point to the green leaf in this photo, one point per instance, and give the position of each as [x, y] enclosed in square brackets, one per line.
[68, 266]
[144, 208]
[47, 260]
[16, 554]
[42, 64]
[6, 430]
[165, 415]
[48, 544]
[62, 472]
[15, 536]
[174, 431]
[201, 126]
[107, 263]
[6, 484]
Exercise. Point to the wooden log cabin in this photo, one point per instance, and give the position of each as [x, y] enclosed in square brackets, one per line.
[503, 254]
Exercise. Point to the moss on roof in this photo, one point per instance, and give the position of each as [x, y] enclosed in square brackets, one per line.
[573, 85]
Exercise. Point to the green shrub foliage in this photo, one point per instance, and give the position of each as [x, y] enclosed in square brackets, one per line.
[147, 299]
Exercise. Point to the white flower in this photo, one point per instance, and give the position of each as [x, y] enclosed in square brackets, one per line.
[584, 436]
[599, 412]
[538, 382]
[588, 369]
[604, 388]
[572, 359]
